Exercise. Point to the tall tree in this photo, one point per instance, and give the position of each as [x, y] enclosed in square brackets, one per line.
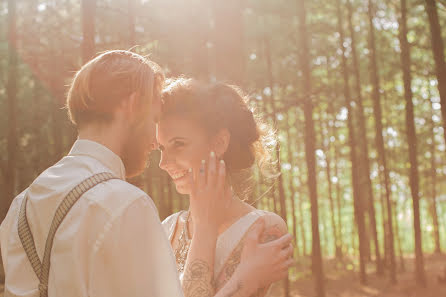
[291, 186]
[310, 141]
[411, 143]
[11, 166]
[339, 203]
[357, 201]
[364, 152]
[88, 29]
[438, 51]
[283, 211]
[433, 186]
[326, 145]
[300, 203]
[228, 36]
[374, 77]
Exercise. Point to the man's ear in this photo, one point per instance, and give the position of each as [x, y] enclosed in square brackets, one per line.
[130, 106]
[220, 142]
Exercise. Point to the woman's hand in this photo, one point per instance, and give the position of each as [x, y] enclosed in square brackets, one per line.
[264, 263]
[209, 198]
[208, 202]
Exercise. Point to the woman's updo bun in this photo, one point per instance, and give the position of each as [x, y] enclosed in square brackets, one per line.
[216, 106]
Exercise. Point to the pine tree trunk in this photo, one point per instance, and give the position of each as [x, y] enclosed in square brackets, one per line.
[380, 140]
[301, 221]
[88, 29]
[412, 144]
[292, 188]
[438, 51]
[396, 231]
[364, 155]
[339, 253]
[317, 265]
[11, 89]
[283, 212]
[357, 201]
[433, 177]
[386, 257]
[327, 150]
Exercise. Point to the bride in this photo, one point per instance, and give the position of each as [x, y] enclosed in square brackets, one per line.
[201, 119]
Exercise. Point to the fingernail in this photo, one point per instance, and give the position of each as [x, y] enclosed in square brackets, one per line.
[222, 167]
[190, 170]
[203, 162]
[212, 154]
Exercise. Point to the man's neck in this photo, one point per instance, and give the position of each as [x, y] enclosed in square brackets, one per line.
[108, 136]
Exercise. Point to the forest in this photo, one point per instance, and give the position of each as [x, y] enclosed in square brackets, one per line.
[356, 90]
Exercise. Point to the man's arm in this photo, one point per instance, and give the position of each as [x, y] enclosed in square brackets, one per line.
[266, 259]
[132, 256]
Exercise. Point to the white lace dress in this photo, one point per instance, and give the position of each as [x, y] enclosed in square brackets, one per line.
[226, 242]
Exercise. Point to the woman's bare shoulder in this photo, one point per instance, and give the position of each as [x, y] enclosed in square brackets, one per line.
[171, 219]
[171, 223]
[275, 226]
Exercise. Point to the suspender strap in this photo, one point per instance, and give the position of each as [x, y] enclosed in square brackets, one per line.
[42, 269]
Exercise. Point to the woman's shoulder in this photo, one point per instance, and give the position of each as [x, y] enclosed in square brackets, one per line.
[275, 226]
[170, 222]
[172, 218]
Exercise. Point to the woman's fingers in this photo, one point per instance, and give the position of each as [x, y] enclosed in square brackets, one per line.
[286, 252]
[201, 179]
[288, 264]
[192, 182]
[281, 242]
[212, 170]
[221, 179]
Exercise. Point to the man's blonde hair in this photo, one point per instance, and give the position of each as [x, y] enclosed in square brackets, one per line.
[101, 85]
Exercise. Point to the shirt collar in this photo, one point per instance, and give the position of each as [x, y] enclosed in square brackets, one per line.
[101, 153]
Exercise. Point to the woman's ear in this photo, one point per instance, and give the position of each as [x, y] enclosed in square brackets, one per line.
[220, 142]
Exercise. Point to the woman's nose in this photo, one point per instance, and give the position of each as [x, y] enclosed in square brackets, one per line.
[164, 163]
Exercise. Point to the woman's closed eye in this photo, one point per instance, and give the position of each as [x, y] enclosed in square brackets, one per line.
[178, 144]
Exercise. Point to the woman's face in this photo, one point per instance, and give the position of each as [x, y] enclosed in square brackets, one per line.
[183, 144]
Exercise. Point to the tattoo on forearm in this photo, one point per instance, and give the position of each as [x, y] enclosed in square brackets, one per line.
[197, 282]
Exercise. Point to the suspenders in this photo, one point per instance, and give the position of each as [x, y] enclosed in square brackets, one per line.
[42, 269]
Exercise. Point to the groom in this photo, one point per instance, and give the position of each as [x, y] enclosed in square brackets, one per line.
[80, 229]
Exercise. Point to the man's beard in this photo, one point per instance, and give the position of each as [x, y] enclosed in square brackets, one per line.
[135, 151]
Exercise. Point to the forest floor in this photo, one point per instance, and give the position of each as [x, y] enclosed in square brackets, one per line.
[344, 283]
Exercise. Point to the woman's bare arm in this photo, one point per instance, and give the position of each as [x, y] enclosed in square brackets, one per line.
[207, 205]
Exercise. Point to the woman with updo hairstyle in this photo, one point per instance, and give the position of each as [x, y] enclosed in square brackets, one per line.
[202, 120]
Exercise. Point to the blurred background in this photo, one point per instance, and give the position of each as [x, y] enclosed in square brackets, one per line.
[355, 88]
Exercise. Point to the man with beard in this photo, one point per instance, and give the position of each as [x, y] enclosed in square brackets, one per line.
[81, 230]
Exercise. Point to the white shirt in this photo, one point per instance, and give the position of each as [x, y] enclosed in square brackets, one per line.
[111, 243]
